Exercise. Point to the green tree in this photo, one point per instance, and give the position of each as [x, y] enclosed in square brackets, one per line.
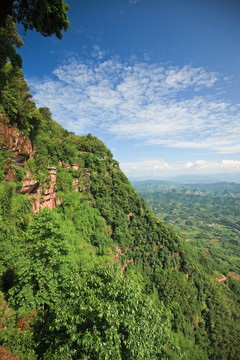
[102, 316]
[47, 17]
[15, 99]
[44, 264]
[9, 39]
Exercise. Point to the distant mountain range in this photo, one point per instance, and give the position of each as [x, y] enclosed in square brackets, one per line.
[193, 179]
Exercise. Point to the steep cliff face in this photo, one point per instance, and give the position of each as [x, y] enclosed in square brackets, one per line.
[43, 198]
[21, 147]
[41, 195]
[14, 141]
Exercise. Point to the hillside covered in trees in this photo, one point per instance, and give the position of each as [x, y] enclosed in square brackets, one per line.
[87, 271]
[98, 275]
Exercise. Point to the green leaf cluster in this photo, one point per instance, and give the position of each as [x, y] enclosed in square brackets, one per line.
[104, 317]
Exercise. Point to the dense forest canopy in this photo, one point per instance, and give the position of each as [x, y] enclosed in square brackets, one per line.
[87, 271]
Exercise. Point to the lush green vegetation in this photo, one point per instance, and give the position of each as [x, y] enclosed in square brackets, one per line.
[98, 276]
[105, 235]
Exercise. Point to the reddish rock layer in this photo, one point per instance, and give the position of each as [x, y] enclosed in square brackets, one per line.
[4, 355]
[12, 140]
[221, 278]
[49, 198]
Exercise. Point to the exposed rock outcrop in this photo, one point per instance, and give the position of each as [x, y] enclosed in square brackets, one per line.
[234, 276]
[29, 184]
[13, 140]
[41, 195]
[221, 278]
[49, 197]
[5, 355]
[130, 215]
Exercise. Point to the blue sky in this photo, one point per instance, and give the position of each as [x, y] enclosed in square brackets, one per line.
[157, 81]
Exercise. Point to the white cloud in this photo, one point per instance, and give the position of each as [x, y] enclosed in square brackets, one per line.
[160, 168]
[146, 167]
[132, 2]
[97, 52]
[222, 166]
[154, 103]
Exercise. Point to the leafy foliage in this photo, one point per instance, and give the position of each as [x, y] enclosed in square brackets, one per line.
[15, 99]
[47, 17]
[9, 41]
[43, 265]
[104, 317]
[11, 334]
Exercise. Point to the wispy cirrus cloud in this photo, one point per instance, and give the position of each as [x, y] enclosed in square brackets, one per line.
[154, 103]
